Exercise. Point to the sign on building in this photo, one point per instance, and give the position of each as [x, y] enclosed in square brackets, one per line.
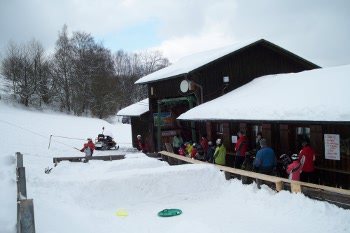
[165, 119]
[332, 146]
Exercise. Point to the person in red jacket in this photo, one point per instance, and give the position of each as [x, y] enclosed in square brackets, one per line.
[182, 150]
[204, 144]
[240, 148]
[88, 148]
[142, 145]
[294, 169]
[193, 151]
[307, 156]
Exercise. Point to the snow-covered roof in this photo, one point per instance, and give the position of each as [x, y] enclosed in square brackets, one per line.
[192, 62]
[315, 95]
[136, 109]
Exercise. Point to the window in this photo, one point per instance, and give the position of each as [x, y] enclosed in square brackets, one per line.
[303, 134]
[219, 128]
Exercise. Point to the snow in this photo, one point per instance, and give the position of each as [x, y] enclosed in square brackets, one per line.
[191, 62]
[315, 95]
[136, 109]
[84, 197]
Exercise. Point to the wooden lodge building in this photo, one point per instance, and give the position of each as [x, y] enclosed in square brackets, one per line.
[177, 91]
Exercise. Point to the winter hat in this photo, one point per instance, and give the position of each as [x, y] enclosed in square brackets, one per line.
[89, 139]
[304, 143]
[240, 132]
[263, 142]
[210, 143]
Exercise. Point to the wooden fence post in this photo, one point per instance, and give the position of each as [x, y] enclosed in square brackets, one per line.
[26, 213]
[22, 191]
[19, 158]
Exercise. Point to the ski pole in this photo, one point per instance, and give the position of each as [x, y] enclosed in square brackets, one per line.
[50, 141]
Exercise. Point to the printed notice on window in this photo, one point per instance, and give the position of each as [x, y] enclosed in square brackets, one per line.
[332, 146]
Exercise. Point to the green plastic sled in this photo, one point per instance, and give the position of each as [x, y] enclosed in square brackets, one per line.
[169, 212]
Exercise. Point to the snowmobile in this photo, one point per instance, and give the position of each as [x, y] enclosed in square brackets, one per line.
[105, 142]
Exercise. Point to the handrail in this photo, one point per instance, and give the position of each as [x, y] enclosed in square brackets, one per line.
[337, 196]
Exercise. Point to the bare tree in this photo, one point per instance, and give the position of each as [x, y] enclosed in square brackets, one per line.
[132, 66]
[24, 66]
[62, 69]
[82, 76]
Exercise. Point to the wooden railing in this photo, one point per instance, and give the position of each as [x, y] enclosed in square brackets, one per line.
[25, 207]
[56, 160]
[339, 197]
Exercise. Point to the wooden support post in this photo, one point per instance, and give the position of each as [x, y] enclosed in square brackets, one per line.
[295, 188]
[279, 186]
[25, 221]
[227, 175]
[19, 158]
[258, 183]
[22, 191]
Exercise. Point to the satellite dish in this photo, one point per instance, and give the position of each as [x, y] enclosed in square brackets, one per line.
[184, 86]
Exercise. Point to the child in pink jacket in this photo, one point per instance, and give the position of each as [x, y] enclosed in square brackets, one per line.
[294, 169]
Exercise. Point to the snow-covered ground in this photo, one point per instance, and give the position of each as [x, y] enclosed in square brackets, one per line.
[84, 197]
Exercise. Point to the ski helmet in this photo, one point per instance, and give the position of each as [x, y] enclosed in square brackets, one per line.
[295, 157]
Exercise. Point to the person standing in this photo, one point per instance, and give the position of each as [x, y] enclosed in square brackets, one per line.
[220, 153]
[204, 144]
[240, 148]
[209, 157]
[182, 150]
[259, 136]
[142, 145]
[193, 153]
[294, 169]
[307, 157]
[177, 141]
[265, 160]
[88, 148]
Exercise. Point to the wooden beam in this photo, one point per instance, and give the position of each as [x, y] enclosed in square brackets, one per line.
[56, 160]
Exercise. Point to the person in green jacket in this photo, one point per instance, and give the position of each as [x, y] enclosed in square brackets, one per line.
[177, 141]
[220, 153]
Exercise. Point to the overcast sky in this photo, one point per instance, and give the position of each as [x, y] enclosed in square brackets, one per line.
[316, 30]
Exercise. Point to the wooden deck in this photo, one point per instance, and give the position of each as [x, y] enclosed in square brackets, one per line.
[56, 160]
[336, 196]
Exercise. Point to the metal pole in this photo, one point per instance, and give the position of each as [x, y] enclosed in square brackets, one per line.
[159, 127]
[22, 192]
[190, 101]
[19, 158]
